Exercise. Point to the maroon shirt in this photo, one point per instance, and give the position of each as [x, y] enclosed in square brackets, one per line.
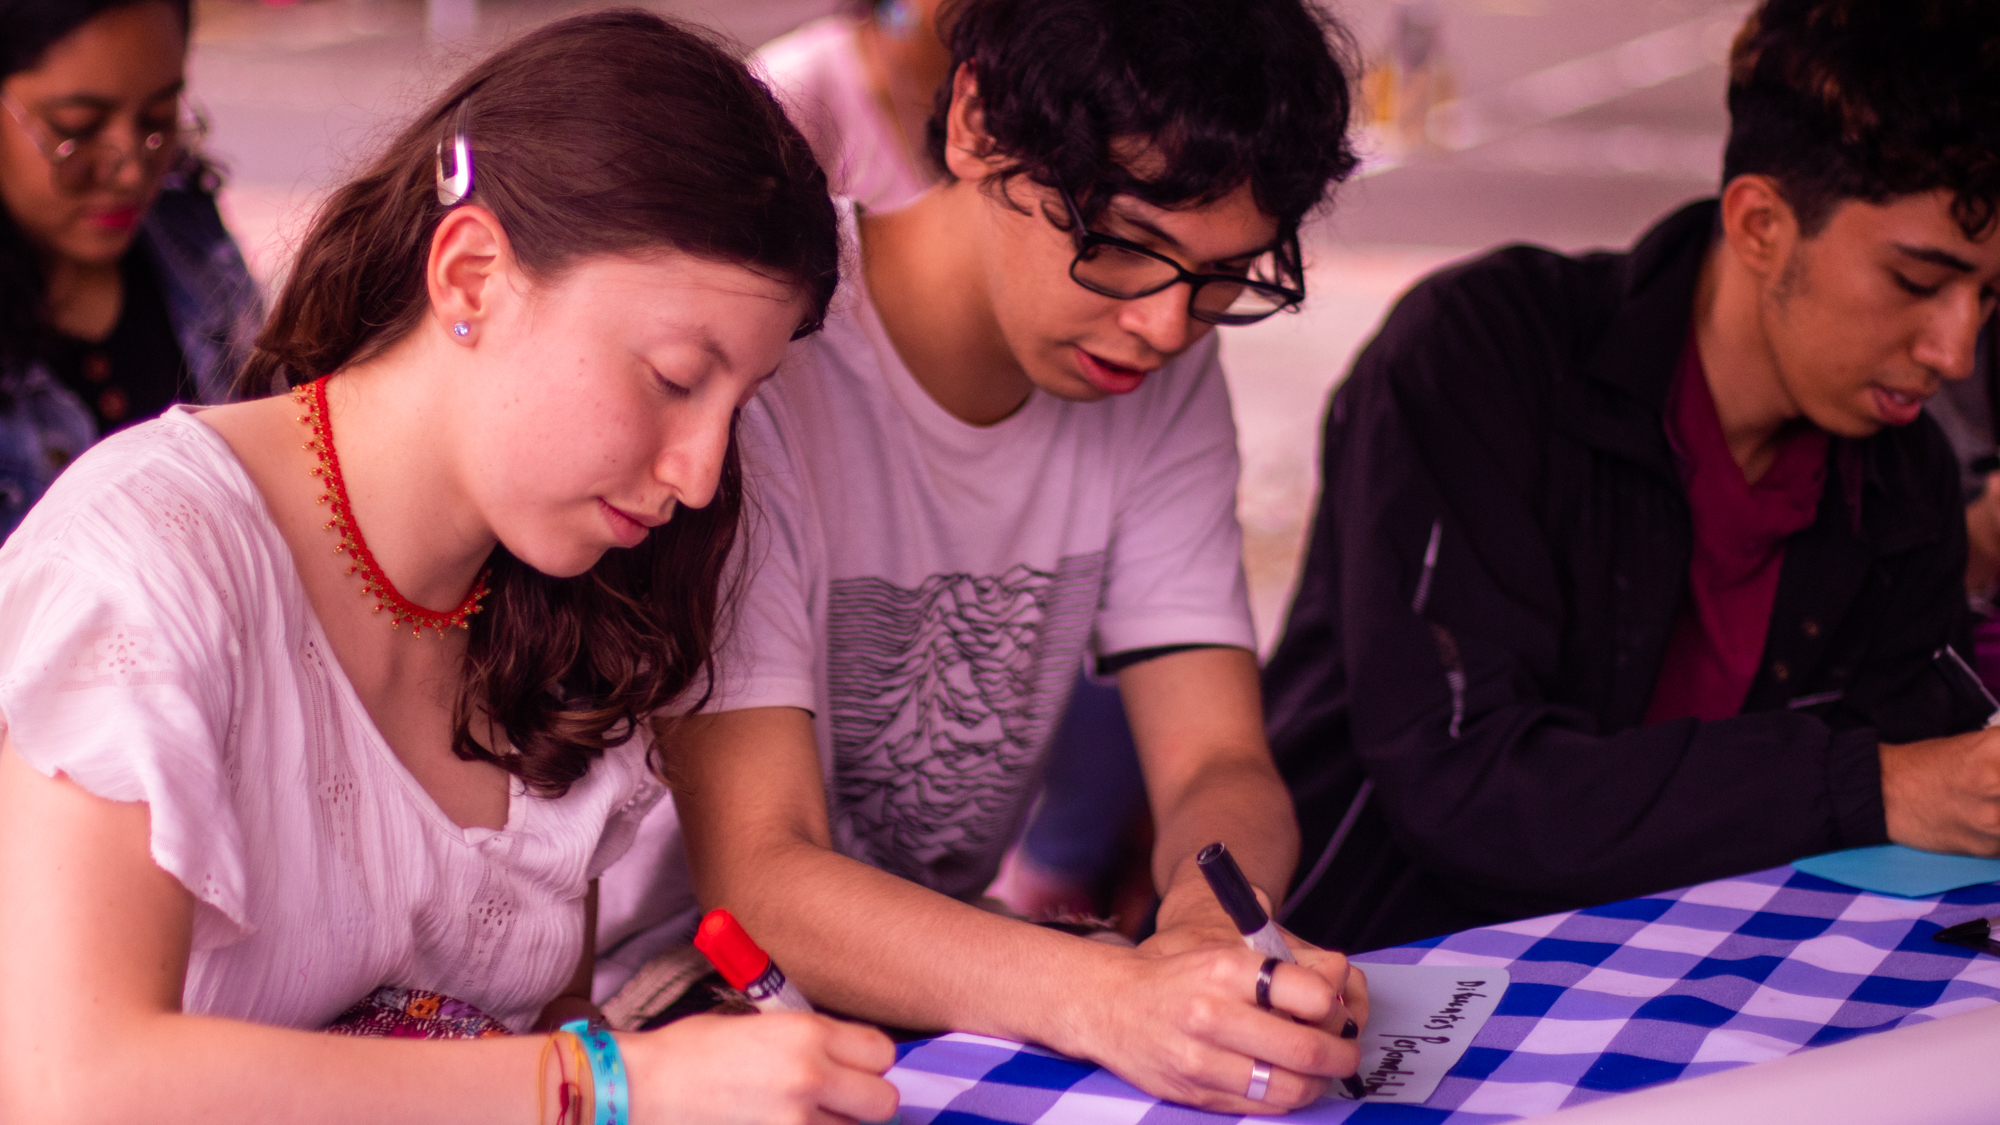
[1739, 547]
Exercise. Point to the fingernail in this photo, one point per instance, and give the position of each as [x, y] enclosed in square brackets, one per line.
[1350, 1031]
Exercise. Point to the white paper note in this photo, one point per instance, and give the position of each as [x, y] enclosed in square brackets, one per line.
[1420, 1020]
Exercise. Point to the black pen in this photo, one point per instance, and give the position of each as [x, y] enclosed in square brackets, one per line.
[1976, 935]
[1965, 682]
[1261, 934]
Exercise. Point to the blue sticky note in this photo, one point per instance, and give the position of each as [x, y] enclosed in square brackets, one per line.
[1896, 870]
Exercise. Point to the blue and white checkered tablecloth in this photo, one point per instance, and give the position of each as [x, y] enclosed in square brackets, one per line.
[1675, 985]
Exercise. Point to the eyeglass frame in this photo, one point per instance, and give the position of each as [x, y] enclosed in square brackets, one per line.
[189, 126]
[1088, 240]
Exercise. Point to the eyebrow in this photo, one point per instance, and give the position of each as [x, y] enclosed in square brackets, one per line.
[1936, 257]
[712, 347]
[1172, 243]
[99, 101]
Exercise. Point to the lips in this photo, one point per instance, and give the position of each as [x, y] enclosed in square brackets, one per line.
[1897, 408]
[116, 219]
[1108, 377]
[627, 529]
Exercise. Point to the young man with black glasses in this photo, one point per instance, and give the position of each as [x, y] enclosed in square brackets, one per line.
[1012, 447]
[1631, 570]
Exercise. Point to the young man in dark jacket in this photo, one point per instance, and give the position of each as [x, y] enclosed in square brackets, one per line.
[1629, 569]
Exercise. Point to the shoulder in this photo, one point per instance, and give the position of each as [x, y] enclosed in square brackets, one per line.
[163, 497]
[1505, 301]
[1491, 337]
[850, 353]
[807, 56]
[815, 73]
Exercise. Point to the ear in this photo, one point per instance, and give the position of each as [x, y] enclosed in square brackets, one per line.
[469, 258]
[1759, 226]
[968, 147]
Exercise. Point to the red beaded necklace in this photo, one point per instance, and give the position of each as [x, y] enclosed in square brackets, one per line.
[312, 397]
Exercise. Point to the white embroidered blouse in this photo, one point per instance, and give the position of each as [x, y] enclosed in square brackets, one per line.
[156, 645]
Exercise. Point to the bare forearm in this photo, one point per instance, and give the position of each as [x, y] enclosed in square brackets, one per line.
[171, 1068]
[1179, 1025]
[1241, 803]
[1198, 721]
[871, 945]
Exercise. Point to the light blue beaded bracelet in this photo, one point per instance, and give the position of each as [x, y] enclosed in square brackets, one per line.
[612, 1097]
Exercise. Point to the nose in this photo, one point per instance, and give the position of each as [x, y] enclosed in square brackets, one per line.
[1162, 320]
[122, 161]
[690, 464]
[1950, 337]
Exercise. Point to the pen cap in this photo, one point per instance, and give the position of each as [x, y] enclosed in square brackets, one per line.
[722, 940]
[1231, 889]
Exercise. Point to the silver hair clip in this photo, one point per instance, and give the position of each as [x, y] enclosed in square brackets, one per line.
[453, 188]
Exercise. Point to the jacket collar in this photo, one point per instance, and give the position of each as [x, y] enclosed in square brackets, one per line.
[1630, 368]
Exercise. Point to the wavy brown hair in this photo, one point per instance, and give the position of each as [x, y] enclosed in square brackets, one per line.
[612, 133]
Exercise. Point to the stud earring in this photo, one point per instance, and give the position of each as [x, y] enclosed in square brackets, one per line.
[461, 330]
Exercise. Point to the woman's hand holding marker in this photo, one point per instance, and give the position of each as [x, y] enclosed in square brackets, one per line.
[745, 965]
[787, 1067]
[796, 1066]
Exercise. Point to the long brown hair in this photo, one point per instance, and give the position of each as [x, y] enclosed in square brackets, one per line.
[611, 133]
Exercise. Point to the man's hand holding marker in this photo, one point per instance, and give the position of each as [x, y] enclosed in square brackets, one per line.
[1239, 900]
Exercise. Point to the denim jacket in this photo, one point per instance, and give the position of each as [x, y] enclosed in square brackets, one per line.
[215, 310]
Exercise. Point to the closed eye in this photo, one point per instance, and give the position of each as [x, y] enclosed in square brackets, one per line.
[1911, 287]
[671, 388]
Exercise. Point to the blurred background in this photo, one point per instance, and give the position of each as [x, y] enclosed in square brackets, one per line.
[1572, 123]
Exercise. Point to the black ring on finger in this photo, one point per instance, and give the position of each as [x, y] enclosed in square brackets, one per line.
[1264, 975]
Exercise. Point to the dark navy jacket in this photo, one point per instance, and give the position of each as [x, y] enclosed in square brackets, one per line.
[214, 308]
[1499, 556]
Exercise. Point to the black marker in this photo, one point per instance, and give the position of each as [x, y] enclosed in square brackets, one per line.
[1261, 934]
[1976, 935]
[1965, 682]
[1233, 891]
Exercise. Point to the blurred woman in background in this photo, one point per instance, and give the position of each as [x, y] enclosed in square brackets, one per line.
[861, 87]
[120, 291]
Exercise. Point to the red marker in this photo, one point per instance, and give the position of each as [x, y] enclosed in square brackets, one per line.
[746, 967]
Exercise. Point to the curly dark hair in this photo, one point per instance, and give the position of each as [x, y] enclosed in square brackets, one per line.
[613, 133]
[1227, 92]
[1869, 100]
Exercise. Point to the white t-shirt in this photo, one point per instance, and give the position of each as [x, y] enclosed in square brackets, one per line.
[929, 588]
[156, 645]
[818, 75]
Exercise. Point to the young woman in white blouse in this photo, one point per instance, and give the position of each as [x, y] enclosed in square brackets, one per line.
[254, 769]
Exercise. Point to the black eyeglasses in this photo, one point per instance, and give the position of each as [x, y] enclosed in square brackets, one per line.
[1127, 271]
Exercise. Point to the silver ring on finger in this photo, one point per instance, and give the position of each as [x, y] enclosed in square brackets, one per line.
[1260, 1080]
[1264, 975]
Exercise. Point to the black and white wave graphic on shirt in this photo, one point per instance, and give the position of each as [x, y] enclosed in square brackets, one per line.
[944, 698]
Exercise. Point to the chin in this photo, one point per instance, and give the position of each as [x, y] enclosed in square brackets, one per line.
[99, 248]
[558, 561]
[1853, 424]
[1065, 384]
